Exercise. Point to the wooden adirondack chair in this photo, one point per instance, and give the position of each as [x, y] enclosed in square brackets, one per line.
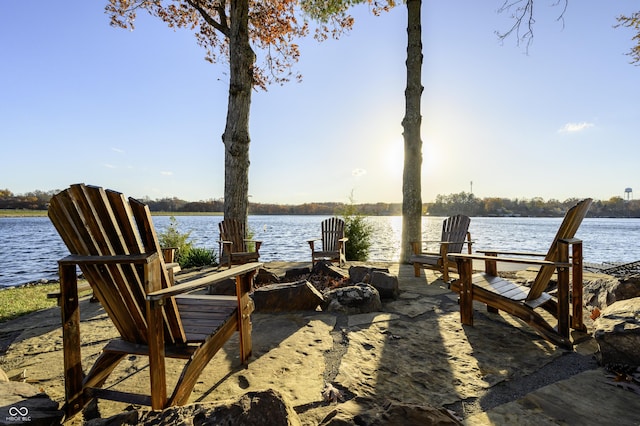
[113, 241]
[333, 242]
[234, 246]
[455, 234]
[521, 301]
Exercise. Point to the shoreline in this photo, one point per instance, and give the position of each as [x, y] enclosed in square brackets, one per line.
[32, 247]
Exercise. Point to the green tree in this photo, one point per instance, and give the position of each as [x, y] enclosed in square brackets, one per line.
[358, 231]
[172, 237]
[227, 30]
[187, 255]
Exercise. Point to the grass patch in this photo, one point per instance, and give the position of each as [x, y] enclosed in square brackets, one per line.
[22, 213]
[18, 301]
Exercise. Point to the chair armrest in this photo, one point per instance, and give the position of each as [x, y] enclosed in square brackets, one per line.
[169, 254]
[512, 253]
[526, 261]
[139, 259]
[257, 243]
[199, 283]
[443, 242]
[417, 245]
[311, 243]
[527, 253]
[343, 240]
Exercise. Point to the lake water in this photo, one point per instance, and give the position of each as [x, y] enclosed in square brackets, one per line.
[30, 247]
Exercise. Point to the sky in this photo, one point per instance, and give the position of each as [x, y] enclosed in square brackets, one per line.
[142, 112]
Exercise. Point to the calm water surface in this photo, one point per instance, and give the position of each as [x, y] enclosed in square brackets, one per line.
[30, 247]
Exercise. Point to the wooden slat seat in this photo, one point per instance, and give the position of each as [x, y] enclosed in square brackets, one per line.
[200, 314]
[564, 255]
[113, 241]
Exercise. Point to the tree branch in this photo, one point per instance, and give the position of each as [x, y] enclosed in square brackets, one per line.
[632, 22]
[523, 15]
[219, 7]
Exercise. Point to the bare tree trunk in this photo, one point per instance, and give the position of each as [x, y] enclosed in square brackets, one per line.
[411, 178]
[236, 133]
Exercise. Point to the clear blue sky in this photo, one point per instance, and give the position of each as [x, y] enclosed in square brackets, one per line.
[142, 112]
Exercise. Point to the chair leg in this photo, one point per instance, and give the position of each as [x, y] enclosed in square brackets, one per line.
[466, 291]
[102, 368]
[563, 302]
[445, 273]
[70, 312]
[416, 269]
[245, 308]
[563, 291]
[157, 370]
[577, 291]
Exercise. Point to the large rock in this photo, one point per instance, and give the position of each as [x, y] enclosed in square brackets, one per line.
[602, 290]
[287, 297]
[617, 332]
[362, 274]
[355, 299]
[266, 408]
[386, 284]
[224, 288]
[264, 276]
[23, 403]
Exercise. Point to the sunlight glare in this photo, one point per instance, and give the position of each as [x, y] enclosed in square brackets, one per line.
[431, 157]
[394, 157]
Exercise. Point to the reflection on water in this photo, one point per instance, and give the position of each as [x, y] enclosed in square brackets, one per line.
[30, 247]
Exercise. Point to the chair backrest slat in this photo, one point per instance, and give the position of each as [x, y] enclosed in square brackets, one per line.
[332, 230]
[454, 229]
[568, 228]
[234, 231]
[92, 221]
[151, 244]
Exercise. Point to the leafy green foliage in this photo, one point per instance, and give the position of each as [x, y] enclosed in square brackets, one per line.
[358, 231]
[197, 256]
[187, 255]
[172, 237]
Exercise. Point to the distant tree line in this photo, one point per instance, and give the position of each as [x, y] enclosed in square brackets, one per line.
[36, 200]
[467, 203]
[444, 205]
[371, 209]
